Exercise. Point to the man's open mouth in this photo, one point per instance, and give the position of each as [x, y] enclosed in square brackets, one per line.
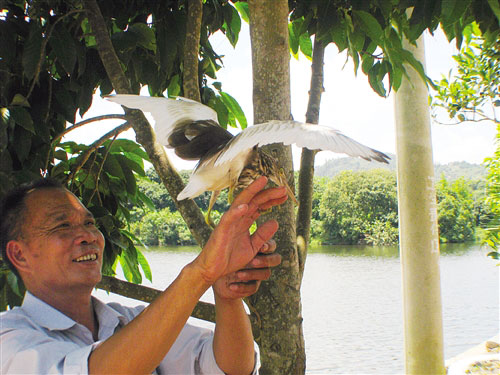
[86, 258]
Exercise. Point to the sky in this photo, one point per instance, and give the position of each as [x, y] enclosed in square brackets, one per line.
[348, 103]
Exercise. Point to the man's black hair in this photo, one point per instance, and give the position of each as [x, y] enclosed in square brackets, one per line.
[13, 212]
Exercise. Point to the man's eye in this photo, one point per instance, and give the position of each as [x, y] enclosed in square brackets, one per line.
[90, 223]
[63, 225]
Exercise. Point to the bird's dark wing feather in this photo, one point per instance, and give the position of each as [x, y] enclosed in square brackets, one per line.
[194, 140]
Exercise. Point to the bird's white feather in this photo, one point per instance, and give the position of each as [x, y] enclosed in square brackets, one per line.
[293, 132]
[167, 113]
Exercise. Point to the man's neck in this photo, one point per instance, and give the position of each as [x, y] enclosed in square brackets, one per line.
[77, 306]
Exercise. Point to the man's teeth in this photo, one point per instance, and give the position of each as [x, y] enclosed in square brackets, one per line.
[86, 257]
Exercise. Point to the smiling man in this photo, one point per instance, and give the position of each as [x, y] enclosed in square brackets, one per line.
[51, 241]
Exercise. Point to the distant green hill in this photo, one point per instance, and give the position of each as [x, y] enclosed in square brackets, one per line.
[451, 171]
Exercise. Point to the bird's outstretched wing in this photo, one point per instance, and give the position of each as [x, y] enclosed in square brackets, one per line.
[303, 135]
[169, 114]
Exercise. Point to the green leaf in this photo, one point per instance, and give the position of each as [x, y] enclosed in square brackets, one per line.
[64, 48]
[22, 140]
[306, 46]
[127, 145]
[222, 112]
[234, 108]
[22, 118]
[232, 27]
[143, 262]
[369, 25]
[375, 80]
[20, 100]
[145, 36]
[243, 10]
[130, 182]
[495, 7]
[32, 49]
[417, 65]
[494, 255]
[146, 200]
[112, 167]
[367, 63]
[293, 40]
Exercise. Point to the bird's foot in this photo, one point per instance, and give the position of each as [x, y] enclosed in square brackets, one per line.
[208, 220]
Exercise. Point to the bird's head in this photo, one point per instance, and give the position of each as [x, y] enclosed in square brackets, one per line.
[276, 173]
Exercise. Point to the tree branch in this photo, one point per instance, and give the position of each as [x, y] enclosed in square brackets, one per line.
[191, 47]
[87, 121]
[306, 174]
[82, 158]
[203, 310]
[144, 133]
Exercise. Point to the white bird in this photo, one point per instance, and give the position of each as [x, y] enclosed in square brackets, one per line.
[192, 130]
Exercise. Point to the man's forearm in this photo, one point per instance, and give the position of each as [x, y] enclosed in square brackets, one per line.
[161, 322]
[233, 339]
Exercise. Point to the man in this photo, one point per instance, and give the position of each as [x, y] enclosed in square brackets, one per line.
[52, 242]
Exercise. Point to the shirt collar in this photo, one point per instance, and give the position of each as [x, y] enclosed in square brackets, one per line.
[49, 317]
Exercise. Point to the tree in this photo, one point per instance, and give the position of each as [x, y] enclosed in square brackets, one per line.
[474, 93]
[360, 207]
[455, 211]
[492, 235]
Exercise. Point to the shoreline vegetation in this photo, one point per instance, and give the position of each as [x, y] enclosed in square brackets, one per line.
[349, 207]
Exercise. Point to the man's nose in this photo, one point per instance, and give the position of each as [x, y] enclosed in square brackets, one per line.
[87, 234]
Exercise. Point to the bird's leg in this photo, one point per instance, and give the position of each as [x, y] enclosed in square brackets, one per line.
[213, 198]
[230, 194]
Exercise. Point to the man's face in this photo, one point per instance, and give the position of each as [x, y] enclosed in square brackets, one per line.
[62, 245]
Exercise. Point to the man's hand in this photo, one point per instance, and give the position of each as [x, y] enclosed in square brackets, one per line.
[231, 247]
[245, 282]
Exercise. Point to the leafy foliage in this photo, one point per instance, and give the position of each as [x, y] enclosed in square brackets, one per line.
[492, 233]
[371, 31]
[360, 208]
[473, 94]
[455, 211]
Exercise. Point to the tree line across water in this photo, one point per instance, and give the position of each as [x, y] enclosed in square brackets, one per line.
[352, 207]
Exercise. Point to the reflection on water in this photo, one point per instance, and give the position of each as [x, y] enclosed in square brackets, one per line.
[384, 251]
[351, 301]
[355, 250]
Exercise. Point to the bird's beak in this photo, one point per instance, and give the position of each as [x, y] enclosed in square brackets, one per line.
[291, 195]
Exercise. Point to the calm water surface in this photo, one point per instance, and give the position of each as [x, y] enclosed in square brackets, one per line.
[351, 301]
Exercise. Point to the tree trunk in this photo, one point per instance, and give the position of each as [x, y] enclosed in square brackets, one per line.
[419, 240]
[191, 47]
[306, 174]
[277, 306]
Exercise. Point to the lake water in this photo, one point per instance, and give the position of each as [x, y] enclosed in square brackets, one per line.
[351, 300]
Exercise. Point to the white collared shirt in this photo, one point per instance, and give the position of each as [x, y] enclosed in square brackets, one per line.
[35, 338]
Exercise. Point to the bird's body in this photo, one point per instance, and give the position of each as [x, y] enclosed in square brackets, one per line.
[231, 161]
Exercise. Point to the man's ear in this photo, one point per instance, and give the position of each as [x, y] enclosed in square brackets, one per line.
[15, 253]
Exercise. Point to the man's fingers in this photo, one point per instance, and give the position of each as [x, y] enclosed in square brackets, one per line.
[264, 261]
[273, 202]
[268, 247]
[247, 194]
[264, 234]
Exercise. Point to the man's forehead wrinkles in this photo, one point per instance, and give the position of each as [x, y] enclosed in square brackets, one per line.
[64, 211]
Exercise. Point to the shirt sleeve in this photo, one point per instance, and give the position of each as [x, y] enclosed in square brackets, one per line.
[32, 352]
[192, 353]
